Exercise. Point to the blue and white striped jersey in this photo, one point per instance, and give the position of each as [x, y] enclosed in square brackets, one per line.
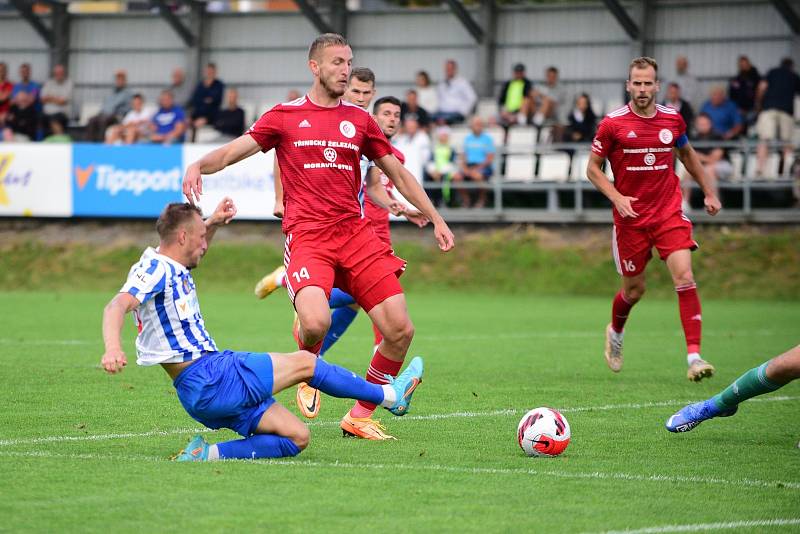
[168, 321]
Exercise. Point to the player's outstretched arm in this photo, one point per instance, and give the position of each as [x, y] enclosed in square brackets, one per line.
[216, 160]
[114, 360]
[598, 178]
[408, 186]
[223, 214]
[378, 193]
[691, 161]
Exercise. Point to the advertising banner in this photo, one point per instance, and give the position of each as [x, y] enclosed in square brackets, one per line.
[34, 180]
[250, 183]
[125, 181]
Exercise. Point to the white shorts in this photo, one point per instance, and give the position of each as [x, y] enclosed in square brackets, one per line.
[772, 121]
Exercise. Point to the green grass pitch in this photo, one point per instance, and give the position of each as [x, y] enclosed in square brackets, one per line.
[83, 451]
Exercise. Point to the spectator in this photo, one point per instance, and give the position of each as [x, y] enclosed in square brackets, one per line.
[456, 96]
[475, 163]
[293, 95]
[207, 98]
[58, 130]
[715, 160]
[410, 109]
[725, 118]
[180, 87]
[56, 96]
[776, 98]
[135, 125]
[115, 106]
[742, 90]
[22, 120]
[582, 121]
[426, 93]
[549, 103]
[415, 145]
[690, 87]
[676, 101]
[441, 167]
[27, 85]
[6, 88]
[515, 98]
[230, 120]
[169, 123]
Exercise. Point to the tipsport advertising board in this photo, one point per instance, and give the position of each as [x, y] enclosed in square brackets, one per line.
[34, 180]
[125, 181]
[250, 183]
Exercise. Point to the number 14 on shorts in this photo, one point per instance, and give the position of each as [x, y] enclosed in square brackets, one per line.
[300, 274]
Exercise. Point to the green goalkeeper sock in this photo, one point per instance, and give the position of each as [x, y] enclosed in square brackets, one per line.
[753, 382]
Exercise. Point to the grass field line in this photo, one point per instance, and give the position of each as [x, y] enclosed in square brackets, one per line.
[461, 470]
[430, 417]
[699, 527]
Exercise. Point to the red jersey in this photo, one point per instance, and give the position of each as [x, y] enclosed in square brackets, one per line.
[377, 215]
[319, 150]
[639, 150]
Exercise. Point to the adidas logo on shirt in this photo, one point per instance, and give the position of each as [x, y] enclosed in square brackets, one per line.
[632, 135]
[304, 124]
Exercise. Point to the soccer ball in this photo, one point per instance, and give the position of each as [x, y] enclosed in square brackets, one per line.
[543, 432]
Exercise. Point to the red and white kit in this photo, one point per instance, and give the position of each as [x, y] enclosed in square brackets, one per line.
[377, 215]
[327, 241]
[639, 150]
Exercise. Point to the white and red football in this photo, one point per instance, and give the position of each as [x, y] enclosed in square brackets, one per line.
[543, 432]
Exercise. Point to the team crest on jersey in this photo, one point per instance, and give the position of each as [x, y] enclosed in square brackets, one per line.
[330, 154]
[649, 158]
[598, 144]
[347, 129]
[665, 136]
[186, 287]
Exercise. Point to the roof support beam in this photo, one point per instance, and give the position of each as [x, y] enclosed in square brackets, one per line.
[188, 38]
[789, 15]
[313, 16]
[466, 19]
[26, 10]
[623, 18]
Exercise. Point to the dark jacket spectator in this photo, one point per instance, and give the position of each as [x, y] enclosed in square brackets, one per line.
[230, 120]
[676, 101]
[22, 118]
[207, 97]
[743, 87]
[411, 109]
[582, 121]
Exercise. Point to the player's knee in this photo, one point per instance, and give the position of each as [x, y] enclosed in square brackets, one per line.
[302, 437]
[683, 278]
[316, 327]
[635, 293]
[401, 334]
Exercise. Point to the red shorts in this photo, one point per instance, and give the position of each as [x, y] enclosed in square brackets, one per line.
[632, 247]
[347, 255]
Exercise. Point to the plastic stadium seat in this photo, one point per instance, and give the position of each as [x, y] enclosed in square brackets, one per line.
[519, 167]
[770, 169]
[579, 162]
[545, 134]
[487, 108]
[554, 167]
[207, 134]
[522, 137]
[88, 110]
[497, 134]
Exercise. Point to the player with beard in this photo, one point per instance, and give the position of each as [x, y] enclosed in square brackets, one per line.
[319, 140]
[639, 140]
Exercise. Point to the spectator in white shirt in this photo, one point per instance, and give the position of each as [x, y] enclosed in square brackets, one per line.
[135, 125]
[457, 98]
[415, 145]
[426, 93]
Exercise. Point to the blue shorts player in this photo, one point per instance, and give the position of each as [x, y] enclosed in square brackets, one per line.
[223, 389]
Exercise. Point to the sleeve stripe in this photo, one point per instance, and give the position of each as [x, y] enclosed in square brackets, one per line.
[153, 266]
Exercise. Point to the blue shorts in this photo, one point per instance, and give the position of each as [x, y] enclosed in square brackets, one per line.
[227, 390]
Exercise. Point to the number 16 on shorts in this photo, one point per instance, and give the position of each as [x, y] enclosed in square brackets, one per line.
[301, 274]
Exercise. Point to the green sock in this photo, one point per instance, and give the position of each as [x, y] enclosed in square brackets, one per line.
[753, 382]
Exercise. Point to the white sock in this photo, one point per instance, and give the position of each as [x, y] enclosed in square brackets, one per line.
[692, 357]
[279, 279]
[389, 396]
[213, 453]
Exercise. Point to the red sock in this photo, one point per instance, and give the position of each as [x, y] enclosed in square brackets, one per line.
[378, 335]
[619, 312]
[689, 305]
[379, 366]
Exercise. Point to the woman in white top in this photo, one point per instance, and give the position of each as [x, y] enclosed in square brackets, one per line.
[426, 93]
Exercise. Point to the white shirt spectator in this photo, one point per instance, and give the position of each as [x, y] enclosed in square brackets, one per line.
[427, 98]
[456, 95]
[416, 149]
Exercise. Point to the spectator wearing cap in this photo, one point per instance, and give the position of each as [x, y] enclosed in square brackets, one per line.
[410, 109]
[515, 98]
